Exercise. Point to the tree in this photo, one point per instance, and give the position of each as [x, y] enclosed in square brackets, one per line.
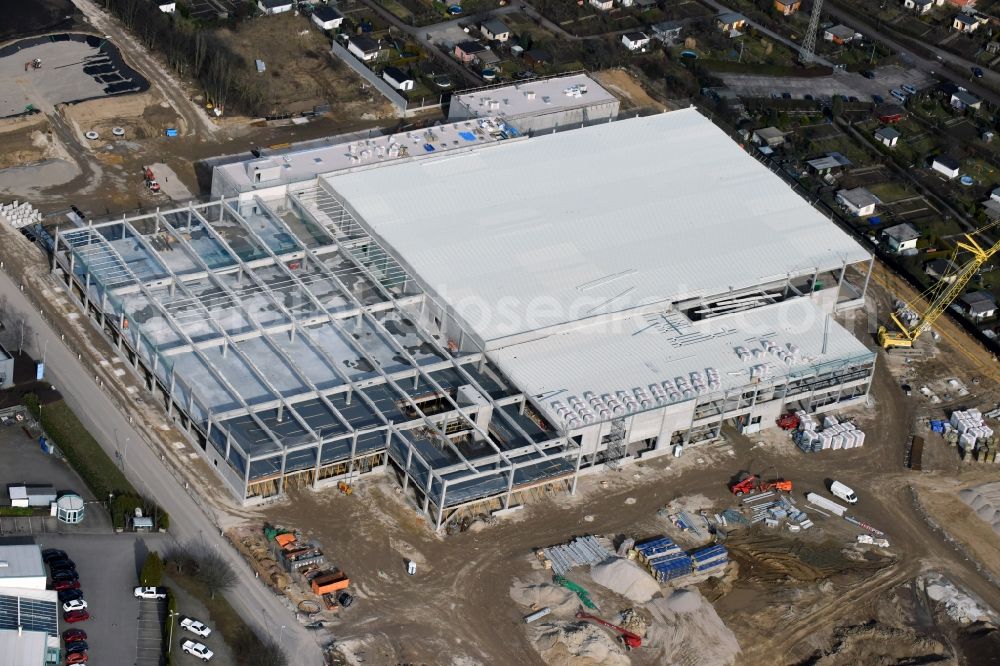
[152, 570]
[253, 651]
[837, 108]
[213, 571]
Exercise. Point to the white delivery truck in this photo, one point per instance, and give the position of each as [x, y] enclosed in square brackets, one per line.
[838, 489]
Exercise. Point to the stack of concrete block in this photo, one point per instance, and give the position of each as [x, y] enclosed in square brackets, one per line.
[19, 214]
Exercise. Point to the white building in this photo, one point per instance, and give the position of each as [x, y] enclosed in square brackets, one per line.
[858, 201]
[921, 6]
[539, 105]
[603, 5]
[947, 166]
[29, 627]
[887, 136]
[274, 6]
[363, 48]
[167, 7]
[326, 17]
[397, 78]
[495, 30]
[964, 22]
[902, 237]
[635, 41]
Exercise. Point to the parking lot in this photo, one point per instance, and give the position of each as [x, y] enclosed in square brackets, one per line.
[25, 462]
[841, 83]
[119, 628]
[149, 632]
[188, 606]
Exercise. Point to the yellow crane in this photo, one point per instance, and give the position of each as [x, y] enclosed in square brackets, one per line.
[942, 294]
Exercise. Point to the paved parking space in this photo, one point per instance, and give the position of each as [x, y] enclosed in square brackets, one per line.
[108, 565]
[149, 631]
[189, 606]
[842, 83]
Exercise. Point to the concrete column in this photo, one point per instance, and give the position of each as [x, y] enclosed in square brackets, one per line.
[406, 470]
[871, 266]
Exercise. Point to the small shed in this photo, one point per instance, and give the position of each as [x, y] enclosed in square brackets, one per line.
[839, 34]
[902, 237]
[70, 508]
[979, 305]
[963, 99]
[142, 524]
[769, 136]
[25, 495]
[397, 78]
[635, 41]
[947, 166]
[887, 136]
[858, 201]
[326, 17]
[495, 29]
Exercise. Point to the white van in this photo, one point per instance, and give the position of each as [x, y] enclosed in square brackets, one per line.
[838, 489]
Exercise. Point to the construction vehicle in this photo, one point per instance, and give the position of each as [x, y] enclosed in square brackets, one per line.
[941, 295]
[748, 484]
[151, 183]
[628, 638]
[344, 488]
[788, 421]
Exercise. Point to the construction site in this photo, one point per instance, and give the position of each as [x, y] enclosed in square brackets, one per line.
[618, 415]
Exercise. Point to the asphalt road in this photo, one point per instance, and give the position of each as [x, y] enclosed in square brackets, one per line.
[258, 606]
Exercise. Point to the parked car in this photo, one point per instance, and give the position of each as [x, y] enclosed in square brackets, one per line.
[76, 616]
[909, 89]
[786, 95]
[65, 575]
[898, 94]
[50, 554]
[977, 72]
[61, 585]
[844, 492]
[150, 593]
[62, 564]
[76, 646]
[77, 658]
[197, 649]
[852, 98]
[195, 627]
[868, 74]
[878, 99]
[70, 595]
[74, 605]
[71, 635]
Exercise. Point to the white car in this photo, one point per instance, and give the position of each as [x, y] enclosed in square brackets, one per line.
[74, 605]
[195, 627]
[150, 593]
[197, 650]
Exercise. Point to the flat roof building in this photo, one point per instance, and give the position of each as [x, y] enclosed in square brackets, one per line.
[632, 285]
[21, 567]
[539, 105]
[29, 627]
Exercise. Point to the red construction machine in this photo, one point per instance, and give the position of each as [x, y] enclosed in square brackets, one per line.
[628, 638]
[748, 484]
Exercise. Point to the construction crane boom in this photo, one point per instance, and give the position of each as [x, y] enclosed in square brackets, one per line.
[946, 294]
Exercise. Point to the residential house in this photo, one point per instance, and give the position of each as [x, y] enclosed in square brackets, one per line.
[947, 166]
[495, 29]
[922, 6]
[364, 48]
[467, 51]
[827, 164]
[166, 7]
[964, 22]
[887, 136]
[626, 3]
[858, 201]
[839, 34]
[731, 23]
[941, 269]
[603, 5]
[646, 4]
[635, 41]
[274, 6]
[667, 32]
[890, 113]
[326, 17]
[979, 305]
[995, 194]
[962, 99]
[902, 237]
[787, 7]
[991, 208]
[397, 78]
[772, 137]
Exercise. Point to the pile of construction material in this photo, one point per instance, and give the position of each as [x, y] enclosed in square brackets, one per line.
[834, 434]
[20, 214]
[582, 551]
[772, 508]
[974, 438]
[666, 561]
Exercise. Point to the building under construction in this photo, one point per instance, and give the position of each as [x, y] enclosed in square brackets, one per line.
[485, 318]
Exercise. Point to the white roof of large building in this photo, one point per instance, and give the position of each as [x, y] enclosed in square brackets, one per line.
[24, 648]
[20, 562]
[537, 96]
[641, 350]
[524, 235]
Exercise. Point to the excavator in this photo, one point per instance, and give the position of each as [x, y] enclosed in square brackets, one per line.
[941, 295]
[630, 640]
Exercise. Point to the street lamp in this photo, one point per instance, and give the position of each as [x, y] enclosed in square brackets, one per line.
[281, 633]
[170, 632]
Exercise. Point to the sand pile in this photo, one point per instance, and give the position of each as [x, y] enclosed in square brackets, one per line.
[542, 595]
[985, 502]
[578, 643]
[626, 578]
[686, 631]
[958, 604]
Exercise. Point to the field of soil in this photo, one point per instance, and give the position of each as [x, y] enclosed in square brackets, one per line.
[23, 18]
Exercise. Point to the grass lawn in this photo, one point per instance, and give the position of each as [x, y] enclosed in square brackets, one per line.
[398, 10]
[890, 191]
[82, 451]
[982, 172]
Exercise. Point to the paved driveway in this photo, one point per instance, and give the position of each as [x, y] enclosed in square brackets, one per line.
[842, 83]
[108, 566]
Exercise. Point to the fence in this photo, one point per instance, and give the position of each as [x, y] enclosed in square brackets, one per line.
[402, 105]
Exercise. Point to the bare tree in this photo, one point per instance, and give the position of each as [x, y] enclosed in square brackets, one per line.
[213, 570]
[254, 651]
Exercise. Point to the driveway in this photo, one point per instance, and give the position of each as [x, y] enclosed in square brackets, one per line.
[108, 566]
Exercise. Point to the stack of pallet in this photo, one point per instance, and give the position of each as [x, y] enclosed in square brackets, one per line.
[582, 551]
[708, 558]
[663, 558]
[974, 438]
[834, 435]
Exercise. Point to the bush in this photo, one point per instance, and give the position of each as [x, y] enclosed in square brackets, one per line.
[164, 522]
[152, 570]
[17, 511]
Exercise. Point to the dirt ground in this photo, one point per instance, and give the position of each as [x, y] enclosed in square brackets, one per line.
[21, 140]
[623, 85]
[300, 70]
